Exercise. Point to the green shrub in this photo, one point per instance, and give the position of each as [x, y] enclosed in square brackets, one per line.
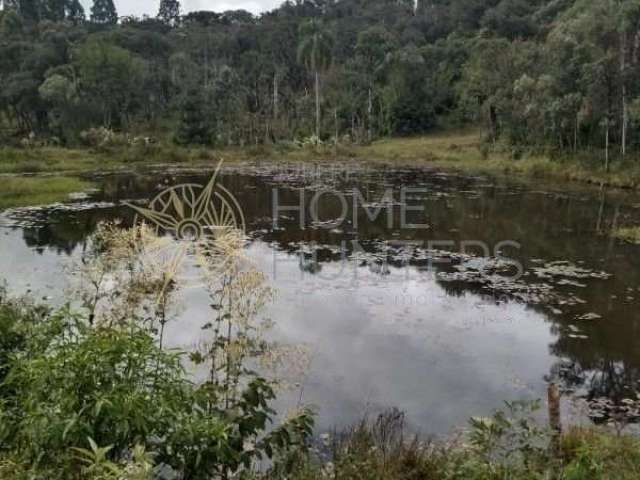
[68, 382]
[82, 394]
[103, 139]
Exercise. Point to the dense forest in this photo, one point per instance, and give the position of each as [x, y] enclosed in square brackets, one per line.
[546, 74]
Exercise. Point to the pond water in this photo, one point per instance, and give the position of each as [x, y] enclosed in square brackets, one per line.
[506, 287]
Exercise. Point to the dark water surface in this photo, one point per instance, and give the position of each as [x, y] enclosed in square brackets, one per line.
[392, 318]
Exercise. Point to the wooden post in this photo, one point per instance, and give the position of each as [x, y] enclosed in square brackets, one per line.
[555, 420]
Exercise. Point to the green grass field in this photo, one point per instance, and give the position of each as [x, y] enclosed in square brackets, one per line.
[23, 191]
[463, 150]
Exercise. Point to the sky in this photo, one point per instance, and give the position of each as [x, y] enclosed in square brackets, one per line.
[150, 7]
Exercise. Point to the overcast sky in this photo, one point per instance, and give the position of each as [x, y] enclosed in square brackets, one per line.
[150, 7]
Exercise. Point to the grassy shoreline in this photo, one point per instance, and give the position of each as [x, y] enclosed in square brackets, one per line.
[628, 234]
[459, 150]
[29, 191]
[463, 151]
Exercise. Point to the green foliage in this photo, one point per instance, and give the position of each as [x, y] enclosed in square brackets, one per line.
[23, 191]
[594, 455]
[194, 125]
[314, 52]
[104, 12]
[507, 445]
[511, 437]
[57, 89]
[11, 23]
[17, 320]
[29, 10]
[69, 382]
[169, 12]
[96, 465]
[540, 76]
[315, 48]
[95, 395]
[125, 390]
[111, 76]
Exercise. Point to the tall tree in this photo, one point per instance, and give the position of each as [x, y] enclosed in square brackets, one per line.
[169, 12]
[53, 10]
[112, 76]
[629, 33]
[59, 10]
[194, 126]
[29, 10]
[372, 48]
[8, 4]
[315, 52]
[104, 12]
[74, 11]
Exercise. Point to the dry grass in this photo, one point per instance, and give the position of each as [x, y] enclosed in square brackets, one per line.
[628, 234]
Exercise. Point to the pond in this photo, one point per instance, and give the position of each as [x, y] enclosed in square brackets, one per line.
[503, 288]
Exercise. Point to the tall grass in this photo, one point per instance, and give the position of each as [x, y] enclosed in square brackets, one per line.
[501, 447]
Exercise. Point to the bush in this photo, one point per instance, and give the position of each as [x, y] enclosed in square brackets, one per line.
[71, 387]
[102, 138]
[95, 395]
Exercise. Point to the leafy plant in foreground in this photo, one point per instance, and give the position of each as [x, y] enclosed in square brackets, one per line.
[96, 395]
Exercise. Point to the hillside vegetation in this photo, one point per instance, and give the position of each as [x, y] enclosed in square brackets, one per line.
[542, 77]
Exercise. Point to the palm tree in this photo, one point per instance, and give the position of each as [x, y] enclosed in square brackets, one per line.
[315, 52]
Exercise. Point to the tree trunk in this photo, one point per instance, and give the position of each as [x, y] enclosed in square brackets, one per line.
[636, 47]
[493, 123]
[275, 96]
[353, 128]
[318, 104]
[625, 113]
[606, 149]
[555, 418]
[335, 144]
[206, 62]
[370, 114]
[575, 136]
[601, 210]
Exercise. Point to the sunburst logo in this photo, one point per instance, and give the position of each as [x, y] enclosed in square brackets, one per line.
[192, 212]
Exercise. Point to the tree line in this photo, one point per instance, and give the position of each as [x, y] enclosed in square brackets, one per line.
[551, 74]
